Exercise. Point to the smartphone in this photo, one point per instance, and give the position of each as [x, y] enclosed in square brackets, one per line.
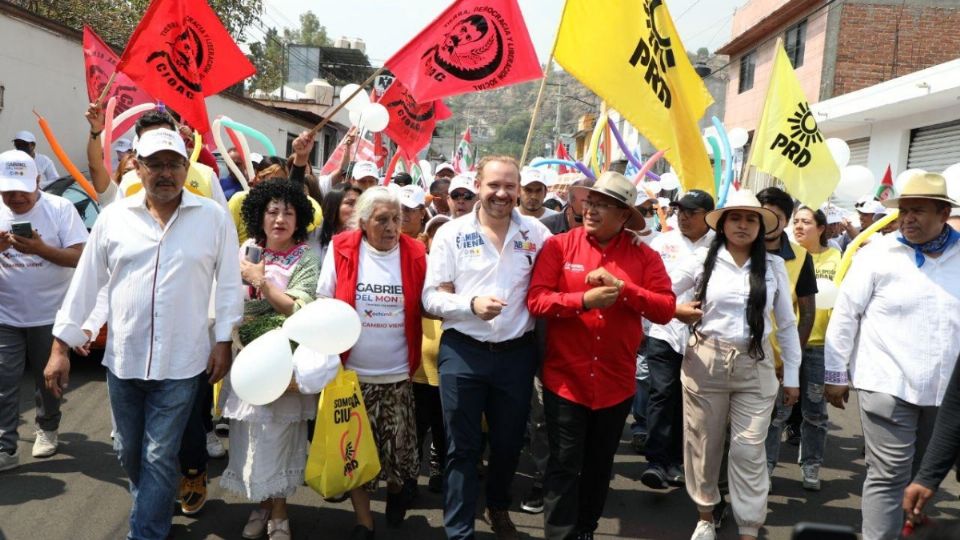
[23, 229]
[822, 531]
[253, 254]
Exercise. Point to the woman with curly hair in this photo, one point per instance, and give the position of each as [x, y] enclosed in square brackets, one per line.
[268, 443]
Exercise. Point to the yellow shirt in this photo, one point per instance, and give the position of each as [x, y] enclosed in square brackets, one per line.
[427, 373]
[826, 263]
[236, 204]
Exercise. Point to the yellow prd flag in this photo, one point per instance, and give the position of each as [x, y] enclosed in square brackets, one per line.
[789, 144]
[630, 55]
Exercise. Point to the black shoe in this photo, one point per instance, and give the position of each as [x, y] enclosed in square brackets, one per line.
[720, 512]
[654, 477]
[639, 442]
[361, 533]
[396, 509]
[532, 502]
[410, 491]
[675, 476]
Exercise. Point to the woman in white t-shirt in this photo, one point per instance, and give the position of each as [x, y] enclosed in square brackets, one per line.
[379, 271]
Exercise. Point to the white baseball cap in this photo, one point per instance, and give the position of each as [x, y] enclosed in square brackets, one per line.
[18, 172]
[444, 167]
[832, 213]
[529, 175]
[25, 136]
[463, 182]
[158, 140]
[122, 145]
[363, 169]
[871, 207]
[412, 196]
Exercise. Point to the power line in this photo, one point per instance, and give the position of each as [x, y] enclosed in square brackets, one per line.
[693, 5]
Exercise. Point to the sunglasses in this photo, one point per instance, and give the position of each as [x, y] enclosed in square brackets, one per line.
[463, 196]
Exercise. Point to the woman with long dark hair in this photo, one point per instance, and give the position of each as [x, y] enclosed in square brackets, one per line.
[337, 209]
[728, 375]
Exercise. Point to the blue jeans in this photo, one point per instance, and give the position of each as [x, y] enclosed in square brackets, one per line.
[639, 407]
[477, 382]
[150, 417]
[813, 430]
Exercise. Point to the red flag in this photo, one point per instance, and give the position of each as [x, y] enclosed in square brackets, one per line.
[180, 53]
[411, 124]
[473, 45]
[564, 155]
[463, 159]
[365, 152]
[100, 62]
[885, 190]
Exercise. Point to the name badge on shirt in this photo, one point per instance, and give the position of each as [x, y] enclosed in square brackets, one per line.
[573, 267]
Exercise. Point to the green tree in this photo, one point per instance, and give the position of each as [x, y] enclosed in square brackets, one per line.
[311, 32]
[115, 20]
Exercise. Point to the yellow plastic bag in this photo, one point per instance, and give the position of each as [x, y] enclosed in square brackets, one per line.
[343, 454]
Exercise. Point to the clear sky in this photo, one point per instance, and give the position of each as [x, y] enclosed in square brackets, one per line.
[386, 25]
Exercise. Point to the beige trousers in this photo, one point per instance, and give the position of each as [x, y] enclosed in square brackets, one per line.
[724, 386]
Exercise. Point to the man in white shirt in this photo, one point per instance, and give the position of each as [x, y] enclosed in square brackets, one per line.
[896, 328]
[41, 238]
[487, 353]
[665, 346]
[26, 141]
[533, 189]
[158, 252]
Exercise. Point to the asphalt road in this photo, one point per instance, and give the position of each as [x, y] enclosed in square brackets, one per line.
[81, 493]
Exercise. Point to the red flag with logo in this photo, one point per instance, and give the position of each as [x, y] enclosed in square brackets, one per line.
[411, 124]
[181, 53]
[564, 155]
[473, 45]
[100, 62]
[885, 190]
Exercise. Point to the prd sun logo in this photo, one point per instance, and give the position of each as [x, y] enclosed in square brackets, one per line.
[803, 132]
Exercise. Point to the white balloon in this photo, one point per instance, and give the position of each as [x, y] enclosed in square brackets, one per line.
[826, 294]
[262, 370]
[952, 174]
[315, 370]
[375, 118]
[903, 177]
[738, 137]
[840, 151]
[669, 181]
[326, 325]
[855, 182]
[358, 102]
[356, 116]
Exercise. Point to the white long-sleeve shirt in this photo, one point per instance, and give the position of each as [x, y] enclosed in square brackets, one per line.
[725, 306]
[675, 249]
[158, 281]
[462, 254]
[896, 327]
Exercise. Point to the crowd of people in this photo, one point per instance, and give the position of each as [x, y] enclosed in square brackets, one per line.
[499, 316]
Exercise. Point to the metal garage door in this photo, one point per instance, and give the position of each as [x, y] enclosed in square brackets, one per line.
[934, 148]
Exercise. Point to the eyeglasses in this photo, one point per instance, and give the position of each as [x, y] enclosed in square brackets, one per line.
[599, 206]
[462, 196]
[646, 212]
[157, 167]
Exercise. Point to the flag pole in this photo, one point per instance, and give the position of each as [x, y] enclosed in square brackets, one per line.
[316, 129]
[536, 110]
[106, 89]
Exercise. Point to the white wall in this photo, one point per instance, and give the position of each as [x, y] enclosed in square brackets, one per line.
[42, 69]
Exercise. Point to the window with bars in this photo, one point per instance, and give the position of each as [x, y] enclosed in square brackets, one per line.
[748, 65]
[794, 41]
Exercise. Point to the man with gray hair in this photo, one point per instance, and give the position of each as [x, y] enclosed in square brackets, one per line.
[158, 253]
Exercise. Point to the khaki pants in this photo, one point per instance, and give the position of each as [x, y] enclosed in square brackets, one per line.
[723, 385]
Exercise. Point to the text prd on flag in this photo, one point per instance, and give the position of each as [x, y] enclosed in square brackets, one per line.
[789, 145]
[473, 45]
[630, 55]
[100, 62]
[181, 53]
[411, 124]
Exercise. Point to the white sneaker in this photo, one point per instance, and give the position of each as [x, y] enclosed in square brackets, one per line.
[811, 477]
[45, 445]
[9, 461]
[214, 446]
[705, 531]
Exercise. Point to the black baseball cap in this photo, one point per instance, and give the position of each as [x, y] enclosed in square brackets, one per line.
[695, 199]
[402, 179]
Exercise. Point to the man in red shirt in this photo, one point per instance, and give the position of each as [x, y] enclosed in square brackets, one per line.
[592, 286]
